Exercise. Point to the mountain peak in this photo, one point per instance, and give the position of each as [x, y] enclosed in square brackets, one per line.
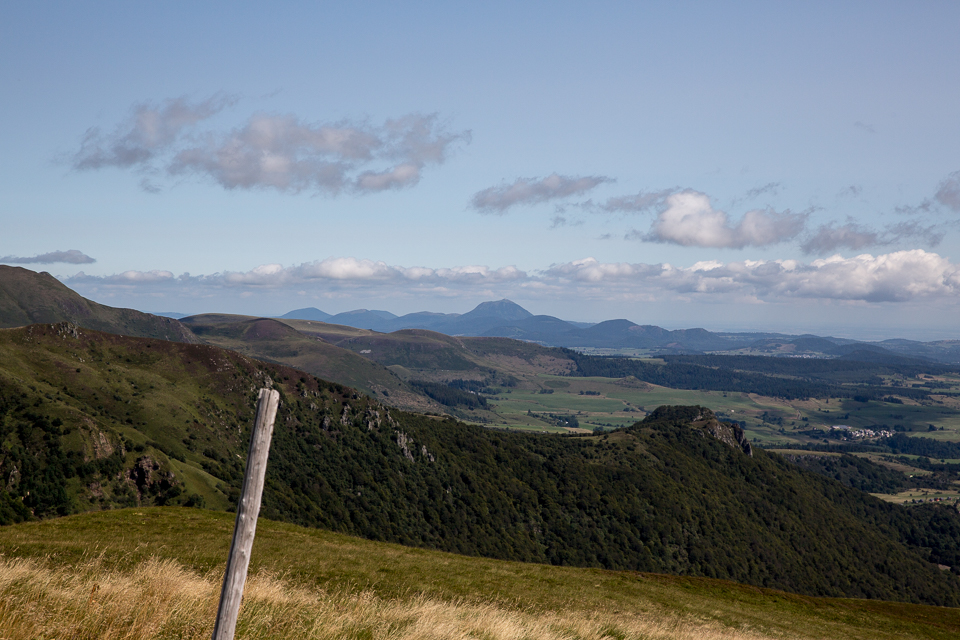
[503, 309]
[308, 313]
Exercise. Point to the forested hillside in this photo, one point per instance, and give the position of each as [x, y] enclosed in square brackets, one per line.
[776, 377]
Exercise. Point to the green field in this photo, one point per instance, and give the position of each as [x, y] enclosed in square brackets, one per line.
[771, 422]
[71, 576]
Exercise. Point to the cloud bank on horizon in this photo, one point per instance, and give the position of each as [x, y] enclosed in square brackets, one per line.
[901, 276]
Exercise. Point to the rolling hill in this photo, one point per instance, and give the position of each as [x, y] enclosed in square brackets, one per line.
[275, 341]
[28, 297]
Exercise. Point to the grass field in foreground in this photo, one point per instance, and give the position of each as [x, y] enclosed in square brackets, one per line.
[155, 573]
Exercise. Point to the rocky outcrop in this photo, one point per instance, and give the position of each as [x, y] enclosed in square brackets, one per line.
[151, 479]
[729, 434]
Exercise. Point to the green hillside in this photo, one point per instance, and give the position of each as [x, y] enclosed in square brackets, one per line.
[28, 297]
[361, 589]
[275, 341]
[92, 420]
[438, 357]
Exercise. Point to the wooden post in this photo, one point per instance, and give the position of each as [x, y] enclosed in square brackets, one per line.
[247, 510]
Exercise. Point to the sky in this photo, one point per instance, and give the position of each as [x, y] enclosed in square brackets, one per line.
[738, 166]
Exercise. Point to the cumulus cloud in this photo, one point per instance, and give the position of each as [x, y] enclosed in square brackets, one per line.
[268, 151]
[895, 277]
[69, 257]
[852, 235]
[689, 219]
[526, 191]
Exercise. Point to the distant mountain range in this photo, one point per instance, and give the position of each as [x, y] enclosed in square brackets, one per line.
[29, 297]
[507, 319]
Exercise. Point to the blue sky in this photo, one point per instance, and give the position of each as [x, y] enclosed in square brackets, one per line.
[736, 166]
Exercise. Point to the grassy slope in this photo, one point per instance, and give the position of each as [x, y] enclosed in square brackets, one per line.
[132, 397]
[27, 297]
[275, 341]
[199, 540]
[437, 356]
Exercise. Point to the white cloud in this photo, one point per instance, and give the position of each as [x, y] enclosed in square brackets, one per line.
[281, 152]
[126, 278]
[354, 272]
[344, 269]
[69, 257]
[689, 219]
[897, 277]
[526, 191]
[591, 270]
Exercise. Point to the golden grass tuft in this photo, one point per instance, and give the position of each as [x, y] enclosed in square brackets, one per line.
[159, 599]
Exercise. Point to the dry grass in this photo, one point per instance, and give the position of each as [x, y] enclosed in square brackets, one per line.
[161, 599]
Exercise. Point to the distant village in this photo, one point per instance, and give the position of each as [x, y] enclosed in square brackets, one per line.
[850, 433]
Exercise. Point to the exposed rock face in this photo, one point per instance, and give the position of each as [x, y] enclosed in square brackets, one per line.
[142, 472]
[150, 479]
[65, 329]
[102, 447]
[14, 480]
[730, 434]
[705, 420]
[404, 442]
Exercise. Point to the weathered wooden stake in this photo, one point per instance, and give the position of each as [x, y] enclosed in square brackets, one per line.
[247, 511]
